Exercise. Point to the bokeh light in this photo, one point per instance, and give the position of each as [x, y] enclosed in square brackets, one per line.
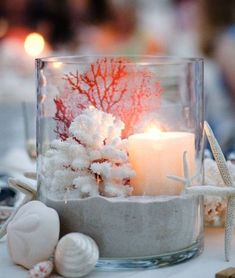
[34, 44]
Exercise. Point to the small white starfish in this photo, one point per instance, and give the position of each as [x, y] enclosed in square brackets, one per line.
[186, 180]
[29, 188]
[226, 191]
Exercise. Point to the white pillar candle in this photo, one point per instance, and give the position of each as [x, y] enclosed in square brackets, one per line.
[156, 155]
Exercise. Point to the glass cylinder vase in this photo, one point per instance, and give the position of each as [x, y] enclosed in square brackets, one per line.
[118, 139]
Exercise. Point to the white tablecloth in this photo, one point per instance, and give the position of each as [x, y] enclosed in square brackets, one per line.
[204, 266]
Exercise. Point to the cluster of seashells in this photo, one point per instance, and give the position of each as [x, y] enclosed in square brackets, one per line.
[32, 241]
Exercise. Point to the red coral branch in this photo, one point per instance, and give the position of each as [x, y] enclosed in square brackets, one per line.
[109, 85]
[63, 118]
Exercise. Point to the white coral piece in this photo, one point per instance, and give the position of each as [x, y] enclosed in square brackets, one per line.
[86, 186]
[92, 161]
[94, 127]
[212, 174]
[103, 169]
[114, 190]
[62, 180]
[111, 153]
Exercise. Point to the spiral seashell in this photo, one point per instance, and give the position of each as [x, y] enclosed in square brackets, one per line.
[76, 255]
[33, 234]
[41, 270]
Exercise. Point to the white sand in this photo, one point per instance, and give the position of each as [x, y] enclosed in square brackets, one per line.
[134, 226]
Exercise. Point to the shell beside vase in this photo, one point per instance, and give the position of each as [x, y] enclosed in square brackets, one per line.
[76, 255]
[33, 234]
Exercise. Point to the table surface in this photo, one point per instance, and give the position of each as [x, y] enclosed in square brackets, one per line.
[205, 266]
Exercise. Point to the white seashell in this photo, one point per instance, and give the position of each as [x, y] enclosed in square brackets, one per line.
[76, 255]
[41, 270]
[33, 234]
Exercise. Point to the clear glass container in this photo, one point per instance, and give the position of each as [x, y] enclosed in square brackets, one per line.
[111, 136]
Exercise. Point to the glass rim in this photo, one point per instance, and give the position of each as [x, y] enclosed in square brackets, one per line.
[149, 59]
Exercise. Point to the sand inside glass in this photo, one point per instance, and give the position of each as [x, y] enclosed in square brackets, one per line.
[135, 226]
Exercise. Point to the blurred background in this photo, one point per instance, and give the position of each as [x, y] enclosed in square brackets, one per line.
[37, 28]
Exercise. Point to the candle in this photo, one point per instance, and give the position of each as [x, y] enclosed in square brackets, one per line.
[154, 156]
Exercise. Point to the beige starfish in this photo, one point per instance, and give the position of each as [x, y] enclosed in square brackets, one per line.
[223, 168]
[28, 187]
[226, 191]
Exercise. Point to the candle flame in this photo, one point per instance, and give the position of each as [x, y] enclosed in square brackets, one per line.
[154, 131]
[34, 44]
